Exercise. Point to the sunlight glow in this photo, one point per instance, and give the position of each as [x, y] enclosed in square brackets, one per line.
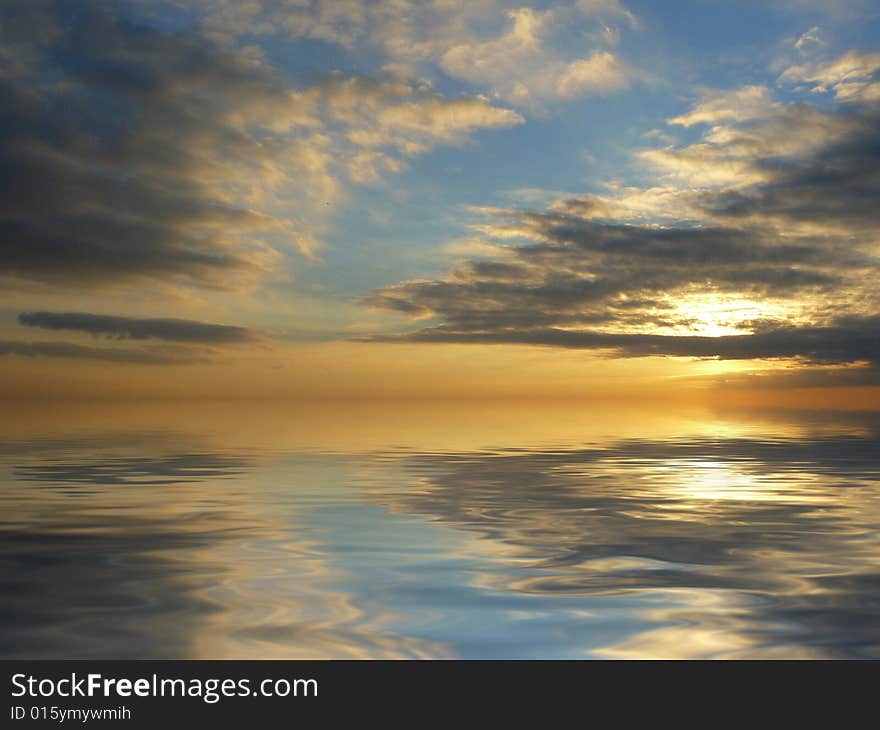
[715, 315]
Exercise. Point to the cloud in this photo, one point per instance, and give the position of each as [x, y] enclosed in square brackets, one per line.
[139, 328]
[746, 139]
[746, 103]
[850, 342]
[599, 73]
[580, 272]
[198, 338]
[522, 54]
[519, 65]
[119, 159]
[133, 154]
[850, 77]
[606, 8]
[72, 351]
[765, 249]
[829, 376]
[396, 116]
[809, 40]
[832, 190]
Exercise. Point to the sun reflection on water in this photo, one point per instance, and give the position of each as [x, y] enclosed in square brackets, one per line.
[730, 538]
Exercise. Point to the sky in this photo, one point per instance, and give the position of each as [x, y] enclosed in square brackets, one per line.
[440, 199]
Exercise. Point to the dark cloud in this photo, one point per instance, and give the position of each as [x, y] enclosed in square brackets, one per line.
[838, 185]
[159, 355]
[838, 376]
[138, 328]
[802, 238]
[586, 273]
[131, 151]
[121, 151]
[856, 341]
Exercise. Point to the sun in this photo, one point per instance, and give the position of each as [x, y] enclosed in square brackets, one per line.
[714, 315]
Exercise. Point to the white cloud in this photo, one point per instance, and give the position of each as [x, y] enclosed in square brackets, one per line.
[520, 65]
[509, 49]
[809, 40]
[850, 77]
[382, 122]
[601, 72]
[743, 104]
[503, 59]
[745, 125]
[607, 9]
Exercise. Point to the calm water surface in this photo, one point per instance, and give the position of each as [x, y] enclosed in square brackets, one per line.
[255, 532]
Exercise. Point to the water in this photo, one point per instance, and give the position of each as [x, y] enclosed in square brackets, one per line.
[254, 531]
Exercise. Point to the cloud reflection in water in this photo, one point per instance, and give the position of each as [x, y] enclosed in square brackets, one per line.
[742, 547]
[727, 546]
